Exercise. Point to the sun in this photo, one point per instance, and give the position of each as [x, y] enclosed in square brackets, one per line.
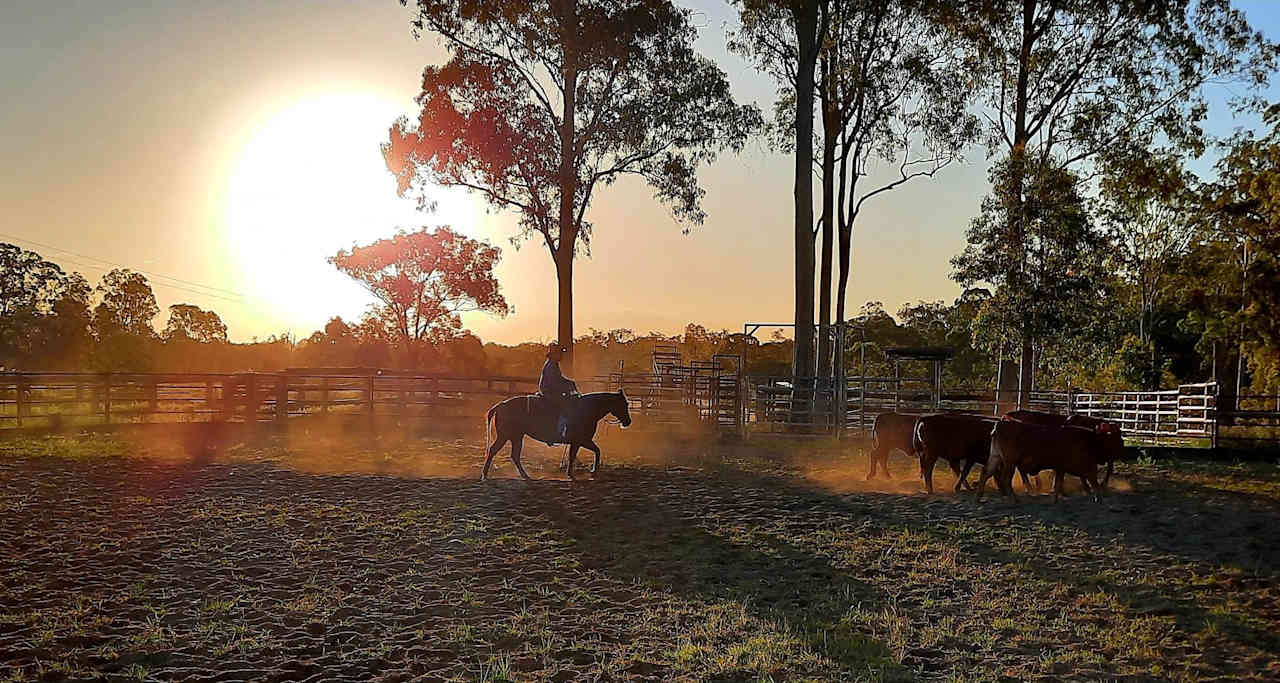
[310, 181]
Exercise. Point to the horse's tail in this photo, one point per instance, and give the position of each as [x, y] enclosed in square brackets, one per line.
[488, 420]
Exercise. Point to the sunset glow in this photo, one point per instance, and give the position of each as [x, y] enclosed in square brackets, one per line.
[311, 181]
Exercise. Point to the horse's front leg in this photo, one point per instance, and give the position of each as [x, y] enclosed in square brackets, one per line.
[591, 446]
[573, 455]
[517, 444]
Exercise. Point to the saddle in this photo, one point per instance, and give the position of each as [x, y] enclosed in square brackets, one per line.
[548, 411]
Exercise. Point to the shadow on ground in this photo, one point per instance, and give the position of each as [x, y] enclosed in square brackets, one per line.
[281, 558]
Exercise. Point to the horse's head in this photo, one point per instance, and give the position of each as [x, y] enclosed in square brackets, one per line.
[621, 409]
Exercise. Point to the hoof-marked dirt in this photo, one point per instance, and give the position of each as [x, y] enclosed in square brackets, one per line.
[278, 561]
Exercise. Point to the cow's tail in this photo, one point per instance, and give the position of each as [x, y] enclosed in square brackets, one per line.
[917, 441]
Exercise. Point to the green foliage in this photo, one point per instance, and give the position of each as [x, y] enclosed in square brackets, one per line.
[1138, 365]
[192, 323]
[122, 322]
[1037, 244]
[40, 307]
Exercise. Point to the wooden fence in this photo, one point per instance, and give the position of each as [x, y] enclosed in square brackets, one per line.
[105, 398]
[42, 399]
[1189, 415]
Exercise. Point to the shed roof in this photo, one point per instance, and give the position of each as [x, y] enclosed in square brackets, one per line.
[920, 353]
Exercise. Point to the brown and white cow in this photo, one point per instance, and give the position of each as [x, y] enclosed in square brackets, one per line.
[961, 440]
[891, 431]
[1032, 448]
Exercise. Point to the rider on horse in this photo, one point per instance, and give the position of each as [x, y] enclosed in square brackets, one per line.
[557, 388]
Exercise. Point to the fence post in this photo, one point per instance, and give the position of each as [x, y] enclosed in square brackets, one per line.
[282, 397]
[251, 398]
[153, 396]
[369, 397]
[106, 398]
[20, 396]
[1212, 392]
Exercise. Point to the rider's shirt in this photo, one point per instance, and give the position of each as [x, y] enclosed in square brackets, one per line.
[553, 382]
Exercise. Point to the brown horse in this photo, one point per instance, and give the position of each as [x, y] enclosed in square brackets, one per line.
[535, 416]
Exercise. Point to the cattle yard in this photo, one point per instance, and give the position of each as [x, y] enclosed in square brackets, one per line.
[716, 392]
[320, 551]
[330, 525]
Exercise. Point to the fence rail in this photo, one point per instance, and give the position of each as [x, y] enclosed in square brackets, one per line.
[34, 398]
[1188, 415]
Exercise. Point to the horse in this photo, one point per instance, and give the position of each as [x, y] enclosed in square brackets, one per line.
[515, 417]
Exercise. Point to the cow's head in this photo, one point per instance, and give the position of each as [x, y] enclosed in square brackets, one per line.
[1112, 439]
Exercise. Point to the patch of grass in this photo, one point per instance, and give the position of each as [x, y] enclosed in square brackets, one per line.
[78, 447]
[497, 669]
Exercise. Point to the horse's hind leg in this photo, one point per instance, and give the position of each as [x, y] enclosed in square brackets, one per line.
[517, 444]
[493, 450]
[573, 455]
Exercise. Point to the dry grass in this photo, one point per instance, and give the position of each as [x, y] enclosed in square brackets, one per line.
[319, 551]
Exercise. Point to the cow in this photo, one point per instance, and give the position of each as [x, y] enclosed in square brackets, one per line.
[891, 431]
[1108, 433]
[961, 440]
[1031, 448]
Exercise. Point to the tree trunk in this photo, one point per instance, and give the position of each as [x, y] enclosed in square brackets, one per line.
[803, 365]
[568, 182]
[564, 279]
[830, 138]
[1026, 361]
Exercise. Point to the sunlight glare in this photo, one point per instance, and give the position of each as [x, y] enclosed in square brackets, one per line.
[311, 181]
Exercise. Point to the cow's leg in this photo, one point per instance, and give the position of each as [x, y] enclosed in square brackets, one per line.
[874, 457]
[884, 462]
[988, 472]
[1005, 474]
[591, 446]
[1026, 481]
[573, 455]
[1107, 477]
[517, 444]
[962, 476]
[926, 470]
[498, 441]
[1058, 478]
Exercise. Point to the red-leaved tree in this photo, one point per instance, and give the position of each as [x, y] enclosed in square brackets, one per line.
[424, 281]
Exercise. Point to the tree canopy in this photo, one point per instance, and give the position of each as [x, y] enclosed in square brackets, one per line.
[542, 103]
[424, 280]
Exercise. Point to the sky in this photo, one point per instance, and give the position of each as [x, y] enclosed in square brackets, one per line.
[226, 149]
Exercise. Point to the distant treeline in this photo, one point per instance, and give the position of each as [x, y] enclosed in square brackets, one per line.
[53, 320]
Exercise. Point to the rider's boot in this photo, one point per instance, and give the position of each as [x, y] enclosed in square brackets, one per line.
[562, 428]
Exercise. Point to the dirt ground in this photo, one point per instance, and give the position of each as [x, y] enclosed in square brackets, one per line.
[322, 555]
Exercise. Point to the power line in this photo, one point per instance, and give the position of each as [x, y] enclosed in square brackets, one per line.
[154, 283]
[239, 298]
